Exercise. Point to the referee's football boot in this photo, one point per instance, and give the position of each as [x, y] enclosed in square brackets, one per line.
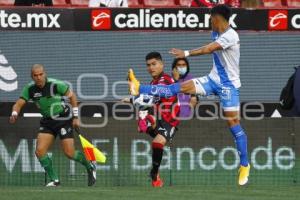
[91, 174]
[54, 183]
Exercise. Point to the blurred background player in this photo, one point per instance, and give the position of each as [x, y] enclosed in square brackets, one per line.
[161, 122]
[181, 73]
[223, 80]
[57, 119]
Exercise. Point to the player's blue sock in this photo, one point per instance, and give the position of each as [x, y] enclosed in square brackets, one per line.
[241, 143]
[161, 90]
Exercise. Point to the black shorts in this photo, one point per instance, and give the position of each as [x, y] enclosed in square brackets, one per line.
[163, 128]
[63, 128]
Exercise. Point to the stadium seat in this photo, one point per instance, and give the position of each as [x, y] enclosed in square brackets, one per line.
[134, 3]
[61, 3]
[80, 3]
[159, 3]
[272, 3]
[293, 3]
[7, 2]
[184, 3]
[283, 2]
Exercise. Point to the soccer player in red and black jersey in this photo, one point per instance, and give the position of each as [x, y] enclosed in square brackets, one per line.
[161, 125]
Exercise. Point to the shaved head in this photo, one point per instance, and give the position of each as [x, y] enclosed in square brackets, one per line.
[37, 66]
[38, 75]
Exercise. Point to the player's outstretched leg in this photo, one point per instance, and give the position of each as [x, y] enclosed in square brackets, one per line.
[241, 145]
[90, 167]
[157, 153]
[136, 88]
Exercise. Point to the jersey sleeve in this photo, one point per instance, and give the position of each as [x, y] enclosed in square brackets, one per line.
[227, 40]
[25, 93]
[62, 87]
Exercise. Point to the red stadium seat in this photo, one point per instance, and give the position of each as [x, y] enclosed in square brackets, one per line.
[283, 2]
[134, 3]
[184, 3]
[201, 3]
[272, 3]
[61, 3]
[293, 3]
[80, 3]
[159, 3]
[7, 2]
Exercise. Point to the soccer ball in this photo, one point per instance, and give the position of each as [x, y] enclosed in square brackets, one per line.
[143, 101]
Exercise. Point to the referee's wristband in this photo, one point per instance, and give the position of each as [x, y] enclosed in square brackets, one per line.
[75, 111]
[186, 53]
[14, 113]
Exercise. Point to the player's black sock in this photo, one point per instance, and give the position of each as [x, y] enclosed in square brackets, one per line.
[157, 153]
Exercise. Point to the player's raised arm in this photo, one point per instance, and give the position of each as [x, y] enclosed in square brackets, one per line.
[207, 49]
[16, 110]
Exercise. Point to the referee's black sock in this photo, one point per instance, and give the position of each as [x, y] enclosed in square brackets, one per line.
[157, 153]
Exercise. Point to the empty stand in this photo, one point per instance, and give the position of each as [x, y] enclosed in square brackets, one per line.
[61, 3]
[272, 3]
[293, 3]
[183, 3]
[135, 3]
[80, 3]
[159, 3]
[7, 2]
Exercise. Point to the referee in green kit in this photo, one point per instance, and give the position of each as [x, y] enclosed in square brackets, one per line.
[49, 94]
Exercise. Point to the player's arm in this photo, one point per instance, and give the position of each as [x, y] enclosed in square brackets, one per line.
[73, 101]
[25, 96]
[207, 49]
[16, 110]
[64, 90]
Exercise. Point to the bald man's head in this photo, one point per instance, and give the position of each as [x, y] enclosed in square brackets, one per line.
[37, 66]
[38, 75]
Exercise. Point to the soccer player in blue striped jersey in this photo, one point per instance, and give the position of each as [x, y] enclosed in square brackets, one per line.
[223, 80]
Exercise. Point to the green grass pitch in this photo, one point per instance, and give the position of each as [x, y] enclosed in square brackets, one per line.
[250, 192]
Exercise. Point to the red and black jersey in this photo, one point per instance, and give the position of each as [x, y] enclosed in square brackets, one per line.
[168, 109]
